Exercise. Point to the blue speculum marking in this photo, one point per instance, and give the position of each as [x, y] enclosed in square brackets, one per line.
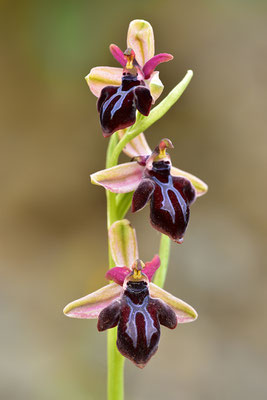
[131, 329]
[121, 94]
[166, 202]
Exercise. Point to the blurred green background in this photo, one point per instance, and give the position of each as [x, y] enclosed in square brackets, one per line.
[52, 221]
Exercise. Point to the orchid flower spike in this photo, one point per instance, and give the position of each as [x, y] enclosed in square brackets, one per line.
[122, 91]
[132, 302]
[153, 178]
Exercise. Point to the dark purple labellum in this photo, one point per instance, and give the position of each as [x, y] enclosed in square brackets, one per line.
[170, 199]
[117, 105]
[138, 317]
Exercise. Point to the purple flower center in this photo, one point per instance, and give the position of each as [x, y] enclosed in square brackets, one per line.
[117, 105]
[160, 174]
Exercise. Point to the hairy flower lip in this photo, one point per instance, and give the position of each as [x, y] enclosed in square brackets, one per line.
[117, 105]
[170, 198]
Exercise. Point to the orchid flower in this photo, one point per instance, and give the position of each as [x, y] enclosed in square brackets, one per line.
[132, 302]
[122, 91]
[170, 191]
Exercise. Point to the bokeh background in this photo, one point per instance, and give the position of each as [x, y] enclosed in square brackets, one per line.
[52, 221]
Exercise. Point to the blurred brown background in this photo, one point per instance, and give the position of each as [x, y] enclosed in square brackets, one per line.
[53, 238]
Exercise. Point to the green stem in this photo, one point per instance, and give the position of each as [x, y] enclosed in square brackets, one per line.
[156, 113]
[111, 147]
[115, 361]
[123, 202]
[164, 254]
[111, 197]
[115, 368]
[111, 217]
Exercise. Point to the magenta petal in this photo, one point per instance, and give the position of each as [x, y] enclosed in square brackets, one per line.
[118, 274]
[151, 64]
[118, 54]
[151, 267]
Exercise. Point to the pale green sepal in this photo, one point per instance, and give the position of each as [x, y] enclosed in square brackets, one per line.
[123, 243]
[155, 85]
[200, 186]
[90, 306]
[164, 255]
[140, 38]
[122, 178]
[99, 77]
[184, 312]
[136, 147]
